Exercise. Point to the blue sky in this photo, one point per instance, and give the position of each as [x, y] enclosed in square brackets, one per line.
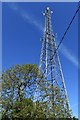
[23, 25]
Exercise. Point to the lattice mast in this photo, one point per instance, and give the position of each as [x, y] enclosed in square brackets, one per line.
[50, 66]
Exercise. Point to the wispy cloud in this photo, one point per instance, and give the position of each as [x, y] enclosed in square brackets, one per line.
[68, 54]
[25, 15]
[31, 20]
[63, 49]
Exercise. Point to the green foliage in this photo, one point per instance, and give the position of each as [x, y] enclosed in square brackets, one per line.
[19, 84]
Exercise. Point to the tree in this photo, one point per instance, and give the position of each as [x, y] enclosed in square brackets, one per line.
[18, 85]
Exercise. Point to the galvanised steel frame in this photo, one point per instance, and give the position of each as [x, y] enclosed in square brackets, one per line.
[50, 66]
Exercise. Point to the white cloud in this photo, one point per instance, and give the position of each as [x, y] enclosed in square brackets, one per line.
[31, 20]
[25, 15]
[13, 6]
[69, 55]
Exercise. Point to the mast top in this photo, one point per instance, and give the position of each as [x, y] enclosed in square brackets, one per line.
[47, 8]
[47, 11]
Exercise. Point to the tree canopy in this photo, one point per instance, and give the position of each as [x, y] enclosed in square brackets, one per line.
[21, 85]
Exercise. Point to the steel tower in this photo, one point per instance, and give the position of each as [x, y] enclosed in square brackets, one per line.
[50, 68]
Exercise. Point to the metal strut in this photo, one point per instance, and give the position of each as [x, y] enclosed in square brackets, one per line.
[50, 68]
